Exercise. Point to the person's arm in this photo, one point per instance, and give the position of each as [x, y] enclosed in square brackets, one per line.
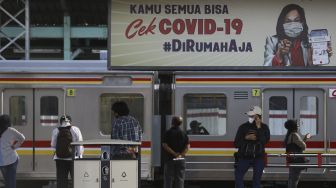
[239, 138]
[270, 50]
[19, 138]
[204, 131]
[185, 151]
[263, 134]
[114, 131]
[53, 138]
[169, 150]
[298, 141]
[79, 137]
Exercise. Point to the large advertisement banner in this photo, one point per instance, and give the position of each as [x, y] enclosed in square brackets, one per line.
[198, 33]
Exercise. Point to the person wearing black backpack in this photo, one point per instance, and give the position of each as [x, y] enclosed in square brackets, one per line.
[250, 140]
[61, 138]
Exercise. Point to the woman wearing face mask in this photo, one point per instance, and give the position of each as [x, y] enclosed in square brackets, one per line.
[290, 47]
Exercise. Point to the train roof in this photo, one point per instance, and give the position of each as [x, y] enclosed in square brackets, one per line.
[100, 66]
[57, 66]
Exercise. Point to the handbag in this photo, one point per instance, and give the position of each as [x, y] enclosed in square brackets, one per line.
[293, 148]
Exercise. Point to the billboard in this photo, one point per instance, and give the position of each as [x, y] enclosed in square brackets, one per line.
[219, 33]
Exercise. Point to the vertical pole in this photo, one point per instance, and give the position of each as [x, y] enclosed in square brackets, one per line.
[66, 37]
[27, 28]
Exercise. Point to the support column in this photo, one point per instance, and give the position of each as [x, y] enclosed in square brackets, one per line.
[66, 37]
[27, 35]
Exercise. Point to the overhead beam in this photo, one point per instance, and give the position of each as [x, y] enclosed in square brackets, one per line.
[58, 32]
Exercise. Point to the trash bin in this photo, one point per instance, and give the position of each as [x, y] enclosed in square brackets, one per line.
[102, 170]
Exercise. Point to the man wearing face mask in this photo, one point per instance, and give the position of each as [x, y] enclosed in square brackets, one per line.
[250, 140]
[290, 47]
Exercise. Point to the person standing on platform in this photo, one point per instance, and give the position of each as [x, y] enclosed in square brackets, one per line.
[124, 127]
[175, 145]
[61, 139]
[10, 140]
[294, 143]
[250, 140]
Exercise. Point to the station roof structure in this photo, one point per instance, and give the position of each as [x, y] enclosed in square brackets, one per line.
[58, 29]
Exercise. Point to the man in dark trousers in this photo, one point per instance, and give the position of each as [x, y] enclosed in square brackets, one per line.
[250, 140]
[175, 145]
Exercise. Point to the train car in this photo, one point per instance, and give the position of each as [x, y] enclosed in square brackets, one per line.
[36, 94]
[219, 100]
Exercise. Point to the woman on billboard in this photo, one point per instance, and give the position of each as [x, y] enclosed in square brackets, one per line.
[290, 45]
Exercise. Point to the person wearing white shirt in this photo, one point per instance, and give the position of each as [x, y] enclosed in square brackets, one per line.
[64, 165]
[10, 140]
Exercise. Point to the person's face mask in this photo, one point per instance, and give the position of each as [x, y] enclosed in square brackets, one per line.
[250, 119]
[293, 29]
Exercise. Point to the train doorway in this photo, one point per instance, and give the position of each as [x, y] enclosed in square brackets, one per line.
[304, 105]
[35, 113]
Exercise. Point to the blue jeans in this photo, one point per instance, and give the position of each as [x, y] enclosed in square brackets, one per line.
[174, 173]
[9, 174]
[243, 165]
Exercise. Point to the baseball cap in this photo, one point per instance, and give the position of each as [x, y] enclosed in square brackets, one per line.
[195, 123]
[255, 110]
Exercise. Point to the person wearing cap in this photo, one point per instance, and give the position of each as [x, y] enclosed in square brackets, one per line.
[64, 164]
[294, 143]
[250, 140]
[175, 146]
[196, 128]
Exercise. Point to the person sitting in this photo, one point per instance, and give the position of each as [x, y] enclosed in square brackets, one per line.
[197, 129]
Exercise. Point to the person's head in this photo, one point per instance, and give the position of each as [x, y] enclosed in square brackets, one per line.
[65, 120]
[292, 23]
[5, 121]
[120, 108]
[195, 125]
[254, 114]
[291, 125]
[176, 121]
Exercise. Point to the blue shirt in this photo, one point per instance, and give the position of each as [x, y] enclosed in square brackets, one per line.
[126, 128]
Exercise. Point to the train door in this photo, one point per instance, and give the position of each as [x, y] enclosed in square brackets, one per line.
[304, 105]
[34, 112]
[49, 106]
[18, 103]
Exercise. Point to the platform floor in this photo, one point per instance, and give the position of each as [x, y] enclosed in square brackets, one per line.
[159, 184]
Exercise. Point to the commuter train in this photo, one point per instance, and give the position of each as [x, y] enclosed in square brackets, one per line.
[37, 93]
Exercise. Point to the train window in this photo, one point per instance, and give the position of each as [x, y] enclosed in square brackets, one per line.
[49, 111]
[17, 110]
[308, 115]
[205, 114]
[278, 114]
[135, 104]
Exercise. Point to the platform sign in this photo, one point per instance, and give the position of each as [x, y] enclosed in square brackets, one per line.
[71, 92]
[256, 92]
[213, 33]
[332, 93]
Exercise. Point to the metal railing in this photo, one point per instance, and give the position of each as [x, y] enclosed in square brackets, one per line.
[319, 163]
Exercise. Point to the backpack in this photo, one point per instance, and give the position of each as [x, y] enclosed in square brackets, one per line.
[250, 150]
[63, 146]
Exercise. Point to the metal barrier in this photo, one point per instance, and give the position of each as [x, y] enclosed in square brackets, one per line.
[319, 163]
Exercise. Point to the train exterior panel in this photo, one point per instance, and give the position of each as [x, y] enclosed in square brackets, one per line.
[220, 99]
[36, 95]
